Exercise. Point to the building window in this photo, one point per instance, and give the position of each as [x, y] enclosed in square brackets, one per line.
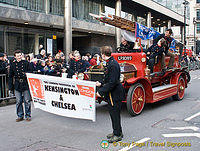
[198, 28]
[56, 7]
[10, 2]
[36, 5]
[198, 14]
[82, 8]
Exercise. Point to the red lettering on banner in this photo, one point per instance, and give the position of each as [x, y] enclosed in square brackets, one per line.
[86, 90]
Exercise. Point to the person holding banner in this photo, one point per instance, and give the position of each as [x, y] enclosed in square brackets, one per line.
[18, 70]
[113, 91]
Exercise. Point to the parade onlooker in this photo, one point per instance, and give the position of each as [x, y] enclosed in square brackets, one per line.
[34, 65]
[89, 56]
[18, 70]
[93, 61]
[40, 48]
[42, 55]
[3, 70]
[87, 64]
[113, 91]
[76, 66]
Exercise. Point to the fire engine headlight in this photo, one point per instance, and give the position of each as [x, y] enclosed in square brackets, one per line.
[143, 59]
[121, 78]
[81, 76]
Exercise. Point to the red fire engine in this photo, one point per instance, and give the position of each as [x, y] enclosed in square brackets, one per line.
[142, 87]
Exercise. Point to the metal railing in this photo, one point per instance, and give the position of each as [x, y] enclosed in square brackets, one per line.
[4, 91]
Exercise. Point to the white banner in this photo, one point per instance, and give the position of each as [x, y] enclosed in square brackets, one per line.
[63, 96]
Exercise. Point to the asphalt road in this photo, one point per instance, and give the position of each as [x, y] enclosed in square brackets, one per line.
[164, 125]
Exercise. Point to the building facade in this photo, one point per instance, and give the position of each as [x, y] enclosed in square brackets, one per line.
[26, 24]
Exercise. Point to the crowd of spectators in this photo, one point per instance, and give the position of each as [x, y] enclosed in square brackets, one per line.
[47, 64]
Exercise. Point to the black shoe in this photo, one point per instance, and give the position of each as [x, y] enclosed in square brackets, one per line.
[115, 139]
[19, 119]
[109, 136]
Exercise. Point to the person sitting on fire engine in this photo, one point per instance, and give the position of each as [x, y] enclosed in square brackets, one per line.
[126, 46]
[154, 52]
[168, 38]
[76, 65]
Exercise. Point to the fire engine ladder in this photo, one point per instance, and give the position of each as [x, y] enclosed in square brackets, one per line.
[115, 21]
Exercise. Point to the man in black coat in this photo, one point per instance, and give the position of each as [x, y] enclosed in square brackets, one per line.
[113, 91]
[76, 66]
[126, 46]
[167, 37]
[154, 53]
[18, 70]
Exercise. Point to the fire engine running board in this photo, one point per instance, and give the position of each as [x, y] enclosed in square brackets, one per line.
[163, 87]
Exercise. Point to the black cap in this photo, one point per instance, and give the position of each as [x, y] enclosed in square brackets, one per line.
[1, 54]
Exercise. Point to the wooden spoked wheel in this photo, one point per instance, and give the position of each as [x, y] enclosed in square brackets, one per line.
[136, 99]
[180, 89]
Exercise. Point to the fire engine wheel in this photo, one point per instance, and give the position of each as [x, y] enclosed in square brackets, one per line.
[135, 99]
[181, 89]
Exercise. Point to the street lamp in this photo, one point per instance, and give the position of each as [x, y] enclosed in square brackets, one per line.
[185, 3]
[194, 22]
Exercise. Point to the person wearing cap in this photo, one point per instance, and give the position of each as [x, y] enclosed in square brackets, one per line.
[168, 38]
[112, 90]
[18, 82]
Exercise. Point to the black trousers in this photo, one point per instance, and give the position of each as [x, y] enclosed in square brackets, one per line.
[114, 112]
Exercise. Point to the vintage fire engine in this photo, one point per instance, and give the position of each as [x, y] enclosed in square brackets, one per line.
[141, 86]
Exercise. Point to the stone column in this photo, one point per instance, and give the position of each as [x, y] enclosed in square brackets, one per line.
[169, 24]
[36, 52]
[68, 27]
[117, 30]
[46, 6]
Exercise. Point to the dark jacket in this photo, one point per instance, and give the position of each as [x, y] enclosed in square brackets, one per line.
[127, 48]
[76, 67]
[112, 82]
[18, 72]
[3, 69]
[168, 40]
[155, 50]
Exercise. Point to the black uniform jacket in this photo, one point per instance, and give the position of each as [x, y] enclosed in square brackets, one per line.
[18, 72]
[112, 82]
[3, 68]
[168, 39]
[76, 66]
[155, 50]
[127, 48]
